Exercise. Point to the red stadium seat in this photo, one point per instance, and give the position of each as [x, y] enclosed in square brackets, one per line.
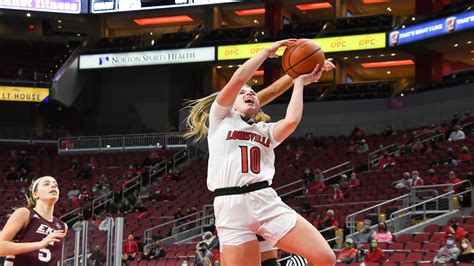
[414, 256]
[420, 237]
[403, 238]
[397, 257]
[431, 246]
[413, 246]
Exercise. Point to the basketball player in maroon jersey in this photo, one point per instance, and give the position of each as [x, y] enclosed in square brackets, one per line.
[32, 235]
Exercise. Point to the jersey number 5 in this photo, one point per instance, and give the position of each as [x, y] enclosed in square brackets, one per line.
[44, 255]
[253, 157]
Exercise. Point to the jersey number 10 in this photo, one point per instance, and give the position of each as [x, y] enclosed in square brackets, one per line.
[253, 157]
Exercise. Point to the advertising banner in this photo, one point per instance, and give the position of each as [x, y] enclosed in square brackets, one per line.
[159, 57]
[56, 6]
[107, 6]
[329, 45]
[23, 94]
[432, 29]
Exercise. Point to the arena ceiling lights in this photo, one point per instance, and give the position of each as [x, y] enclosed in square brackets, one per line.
[250, 12]
[312, 6]
[162, 20]
[388, 63]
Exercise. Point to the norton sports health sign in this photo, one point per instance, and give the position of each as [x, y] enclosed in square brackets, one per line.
[23, 94]
[160, 57]
[329, 45]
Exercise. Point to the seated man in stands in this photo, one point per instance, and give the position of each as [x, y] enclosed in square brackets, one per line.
[433, 178]
[385, 162]
[97, 257]
[354, 181]
[343, 182]
[308, 176]
[363, 147]
[464, 157]
[153, 251]
[129, 249]
[388, 131]
[417, 180]
[12, 175]
[406, 182]
[358, 134]
[375, 253]
[73, 193]
[448, 253]
[455, 230]
[335, 194]
[467, 253]
[365, 235]
[316, 187]
[382, 235]
[348, 253]
[453, 179]
[202, 254]
[457, 134]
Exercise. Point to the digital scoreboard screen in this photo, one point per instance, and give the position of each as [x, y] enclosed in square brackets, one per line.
[107, 6]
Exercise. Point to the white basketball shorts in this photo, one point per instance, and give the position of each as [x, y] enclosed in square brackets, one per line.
[240, 217]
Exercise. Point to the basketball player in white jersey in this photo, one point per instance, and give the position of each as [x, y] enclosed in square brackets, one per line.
[241, 168]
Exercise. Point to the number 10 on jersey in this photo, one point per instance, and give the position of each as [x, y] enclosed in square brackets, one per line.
[251, 158]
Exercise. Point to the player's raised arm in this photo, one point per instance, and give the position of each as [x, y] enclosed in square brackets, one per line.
[227, 95]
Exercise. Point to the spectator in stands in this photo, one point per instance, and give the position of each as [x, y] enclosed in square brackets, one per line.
[316, 186]
[358, 134]
[92, 164]
[343, 182]
[348, 253]
[84, 195]
[335, 194]
[24, 161]
[12, 175]
[153, 251]
[365, 235]
[453, 179]
[354, 182]
[178, 216]
[73, 193]
[417, 180]
[382, 235]
[308, 177]
[97, 257]
[467, 253]
[138, 206]
[448, 253]
[455, 230]
[202, 253]
[168, 195]
[330, 221]
[352, 148]
[126, 207]
[75, 165]
[375, 253]
[362, 147]
[405, 183]
[130, 249]
[433, 178]
[12, 159]
[449, 158]
[457, 134]
[319, 143]
[388, 131]
[464, 156]
[455, 120]
[318, 221]
[24, 176]
[112, 207]
[385, 162]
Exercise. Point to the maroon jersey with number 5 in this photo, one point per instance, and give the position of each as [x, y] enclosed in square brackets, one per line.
[36, 230]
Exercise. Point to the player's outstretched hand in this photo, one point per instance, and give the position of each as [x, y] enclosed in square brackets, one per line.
[53, 237]
[272, 49]
[314, 76]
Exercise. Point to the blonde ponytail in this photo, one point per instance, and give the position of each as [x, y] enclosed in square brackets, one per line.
[197, 121]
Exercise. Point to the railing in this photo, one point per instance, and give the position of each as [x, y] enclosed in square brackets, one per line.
[351, 220]
[376, 155]
[180, 155]
[418, 190]
[72, 219]
[147, 234]
[298, 186]
[102, 200]
[30, 135]
[114, 143]
[402, 218]
[131, 184]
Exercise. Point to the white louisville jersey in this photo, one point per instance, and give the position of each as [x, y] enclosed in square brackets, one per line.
[239, 153]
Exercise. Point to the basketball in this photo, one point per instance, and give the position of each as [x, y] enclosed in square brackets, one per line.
[302, 57]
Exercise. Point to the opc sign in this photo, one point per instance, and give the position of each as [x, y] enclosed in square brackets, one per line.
[332, 44]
